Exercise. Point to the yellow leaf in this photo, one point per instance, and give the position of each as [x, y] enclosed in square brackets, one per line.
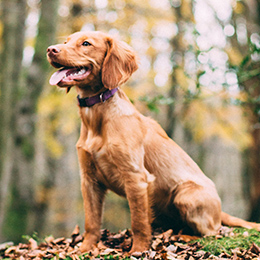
[234, 55]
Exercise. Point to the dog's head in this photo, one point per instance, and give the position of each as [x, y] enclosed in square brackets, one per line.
[91, 59]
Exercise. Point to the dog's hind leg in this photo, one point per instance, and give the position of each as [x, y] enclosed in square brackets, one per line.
[231, 221]
[199, 207]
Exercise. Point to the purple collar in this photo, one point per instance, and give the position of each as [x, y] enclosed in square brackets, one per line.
[100, 98]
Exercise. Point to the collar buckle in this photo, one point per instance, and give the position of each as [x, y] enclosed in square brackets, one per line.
[101, 97]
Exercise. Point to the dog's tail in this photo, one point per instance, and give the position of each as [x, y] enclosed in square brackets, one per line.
[231, 221]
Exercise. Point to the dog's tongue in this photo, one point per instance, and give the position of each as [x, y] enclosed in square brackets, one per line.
[58, 76]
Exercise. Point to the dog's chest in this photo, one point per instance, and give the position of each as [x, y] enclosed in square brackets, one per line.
[92, 142]
[106, 170]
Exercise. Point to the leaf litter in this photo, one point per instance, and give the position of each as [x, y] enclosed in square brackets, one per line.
[165, 245]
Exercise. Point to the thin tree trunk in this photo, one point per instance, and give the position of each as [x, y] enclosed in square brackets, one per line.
[179, 50]
[14, 14]
[19, 115]
[34, 84]
[169, 128]
[251, 87]
[255, 153]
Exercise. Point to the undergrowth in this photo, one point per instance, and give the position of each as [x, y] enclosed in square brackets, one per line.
[231, 241]
[239, 238]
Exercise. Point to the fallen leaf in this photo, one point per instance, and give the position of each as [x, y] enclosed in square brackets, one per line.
[76, 231]
[10, 249]
[157, 244]
[33, 243]
[255, 249]
[6, 245]
[49, 239]
[58, 240]
[172, 248]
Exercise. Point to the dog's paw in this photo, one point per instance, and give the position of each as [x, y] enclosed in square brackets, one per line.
[136, 254]
[257, 226]
[86, 246]
[138, 248]
[89, 242]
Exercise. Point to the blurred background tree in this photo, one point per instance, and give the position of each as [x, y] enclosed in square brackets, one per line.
[198, 77]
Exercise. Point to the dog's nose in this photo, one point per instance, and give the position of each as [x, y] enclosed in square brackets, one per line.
[53, 50]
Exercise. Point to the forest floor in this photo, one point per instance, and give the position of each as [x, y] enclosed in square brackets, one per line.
[230, 243]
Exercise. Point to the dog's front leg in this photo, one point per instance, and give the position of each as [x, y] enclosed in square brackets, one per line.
[93, 196]
[138, 199]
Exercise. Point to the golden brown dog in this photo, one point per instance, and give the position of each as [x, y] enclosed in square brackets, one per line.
[122, 150]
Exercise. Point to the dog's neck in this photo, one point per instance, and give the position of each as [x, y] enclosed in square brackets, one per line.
[98, 98]
[88, 92]
[92, 114]
[116, 106]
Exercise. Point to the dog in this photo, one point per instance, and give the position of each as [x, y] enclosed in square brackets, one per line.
[121, 150]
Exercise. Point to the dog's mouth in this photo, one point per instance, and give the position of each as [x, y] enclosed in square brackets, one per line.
[69, 76]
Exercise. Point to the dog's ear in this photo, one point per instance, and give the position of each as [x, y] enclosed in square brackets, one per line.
[119, 63]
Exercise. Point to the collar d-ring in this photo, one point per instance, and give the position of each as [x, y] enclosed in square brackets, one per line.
[101, 97]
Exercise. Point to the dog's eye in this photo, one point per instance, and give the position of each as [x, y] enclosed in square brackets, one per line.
[86, 43]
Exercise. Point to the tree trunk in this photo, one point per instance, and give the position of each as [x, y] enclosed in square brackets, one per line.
[19, 117]
[169, 128]
[184, 18]
[251, 89]
[14, 14]
[255, 152]
[28, 119]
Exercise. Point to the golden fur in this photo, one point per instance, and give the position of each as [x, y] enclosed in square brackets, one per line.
[122, 150]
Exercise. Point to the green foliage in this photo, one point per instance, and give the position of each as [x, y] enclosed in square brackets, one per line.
[154, 102]
[105, 257]
[246, 69]
[33, 236]
[240, 238]
[15, 220]
[26, 147]
[248, 74]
